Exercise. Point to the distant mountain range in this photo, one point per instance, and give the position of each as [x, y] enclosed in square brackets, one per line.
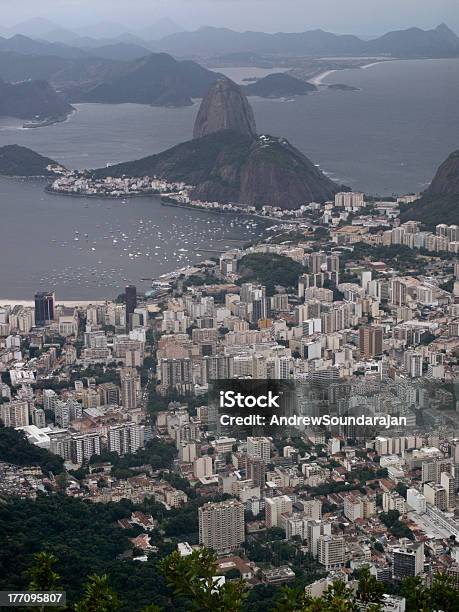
[124, 70]
[29, 46]
[88, 48]
[46, 29]
[157, 79]
[111, 41]
[410, 43]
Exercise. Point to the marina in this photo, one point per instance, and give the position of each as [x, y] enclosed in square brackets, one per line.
[89, 248]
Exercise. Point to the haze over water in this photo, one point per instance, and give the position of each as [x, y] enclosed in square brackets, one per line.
[389, 137]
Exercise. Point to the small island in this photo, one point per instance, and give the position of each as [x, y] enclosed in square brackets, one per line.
[279, 85]
[342, 87]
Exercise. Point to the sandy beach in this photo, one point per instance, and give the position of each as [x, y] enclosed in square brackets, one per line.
[317, 80]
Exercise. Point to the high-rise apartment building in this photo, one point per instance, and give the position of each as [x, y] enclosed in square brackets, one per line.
[315, 530]
[259, 448]
[131, 303]
[221, 525]
[436, 495]
[408, 560]
[275, 507]
[350, 199]
[14, 414]
[84, 446]
[331, 551]
[126, 438]
[370, 341]
[202, 467]
[256, 471]
[44, 307]
[448, 482]
[129, 387]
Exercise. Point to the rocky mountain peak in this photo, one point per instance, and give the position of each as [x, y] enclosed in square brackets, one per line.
[225, 107]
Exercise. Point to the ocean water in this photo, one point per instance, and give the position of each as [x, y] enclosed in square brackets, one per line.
[90, 248]
[388, 137]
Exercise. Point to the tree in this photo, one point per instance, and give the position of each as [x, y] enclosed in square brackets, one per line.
[233, 574]
[42, 574]
[401, 488]
[339, 598]
[291, 600]
[369, 589]
[98, 596]
[193, 577]
[443, 594]
[379, 547]
[415, 594]
[16, 449]
[275, 533]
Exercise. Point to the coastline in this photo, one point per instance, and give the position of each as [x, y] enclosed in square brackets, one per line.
[318, 79]
[241, 213]
[102, 196]
[69, 303]
[321, 76]
[47, 121]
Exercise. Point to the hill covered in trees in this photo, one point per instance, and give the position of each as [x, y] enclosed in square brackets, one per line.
[21, 161]
[440, 201]
[15, 448]
[270, 270]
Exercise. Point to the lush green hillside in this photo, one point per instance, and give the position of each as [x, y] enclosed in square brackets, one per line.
[433, 209]
[228, 166]
[21, 161]
[85, 539]
[440, 202]
[14, 448]
[270, 270]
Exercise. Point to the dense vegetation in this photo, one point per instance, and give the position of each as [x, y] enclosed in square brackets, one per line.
[81, 535]
[15, 448]
[156, 453]
[396, 527]
[433, 209]
[270, 270]
[188, 584]
[20, 161]
[192, 162]
[398, 256]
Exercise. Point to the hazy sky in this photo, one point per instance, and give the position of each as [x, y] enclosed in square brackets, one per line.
[358, 16]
